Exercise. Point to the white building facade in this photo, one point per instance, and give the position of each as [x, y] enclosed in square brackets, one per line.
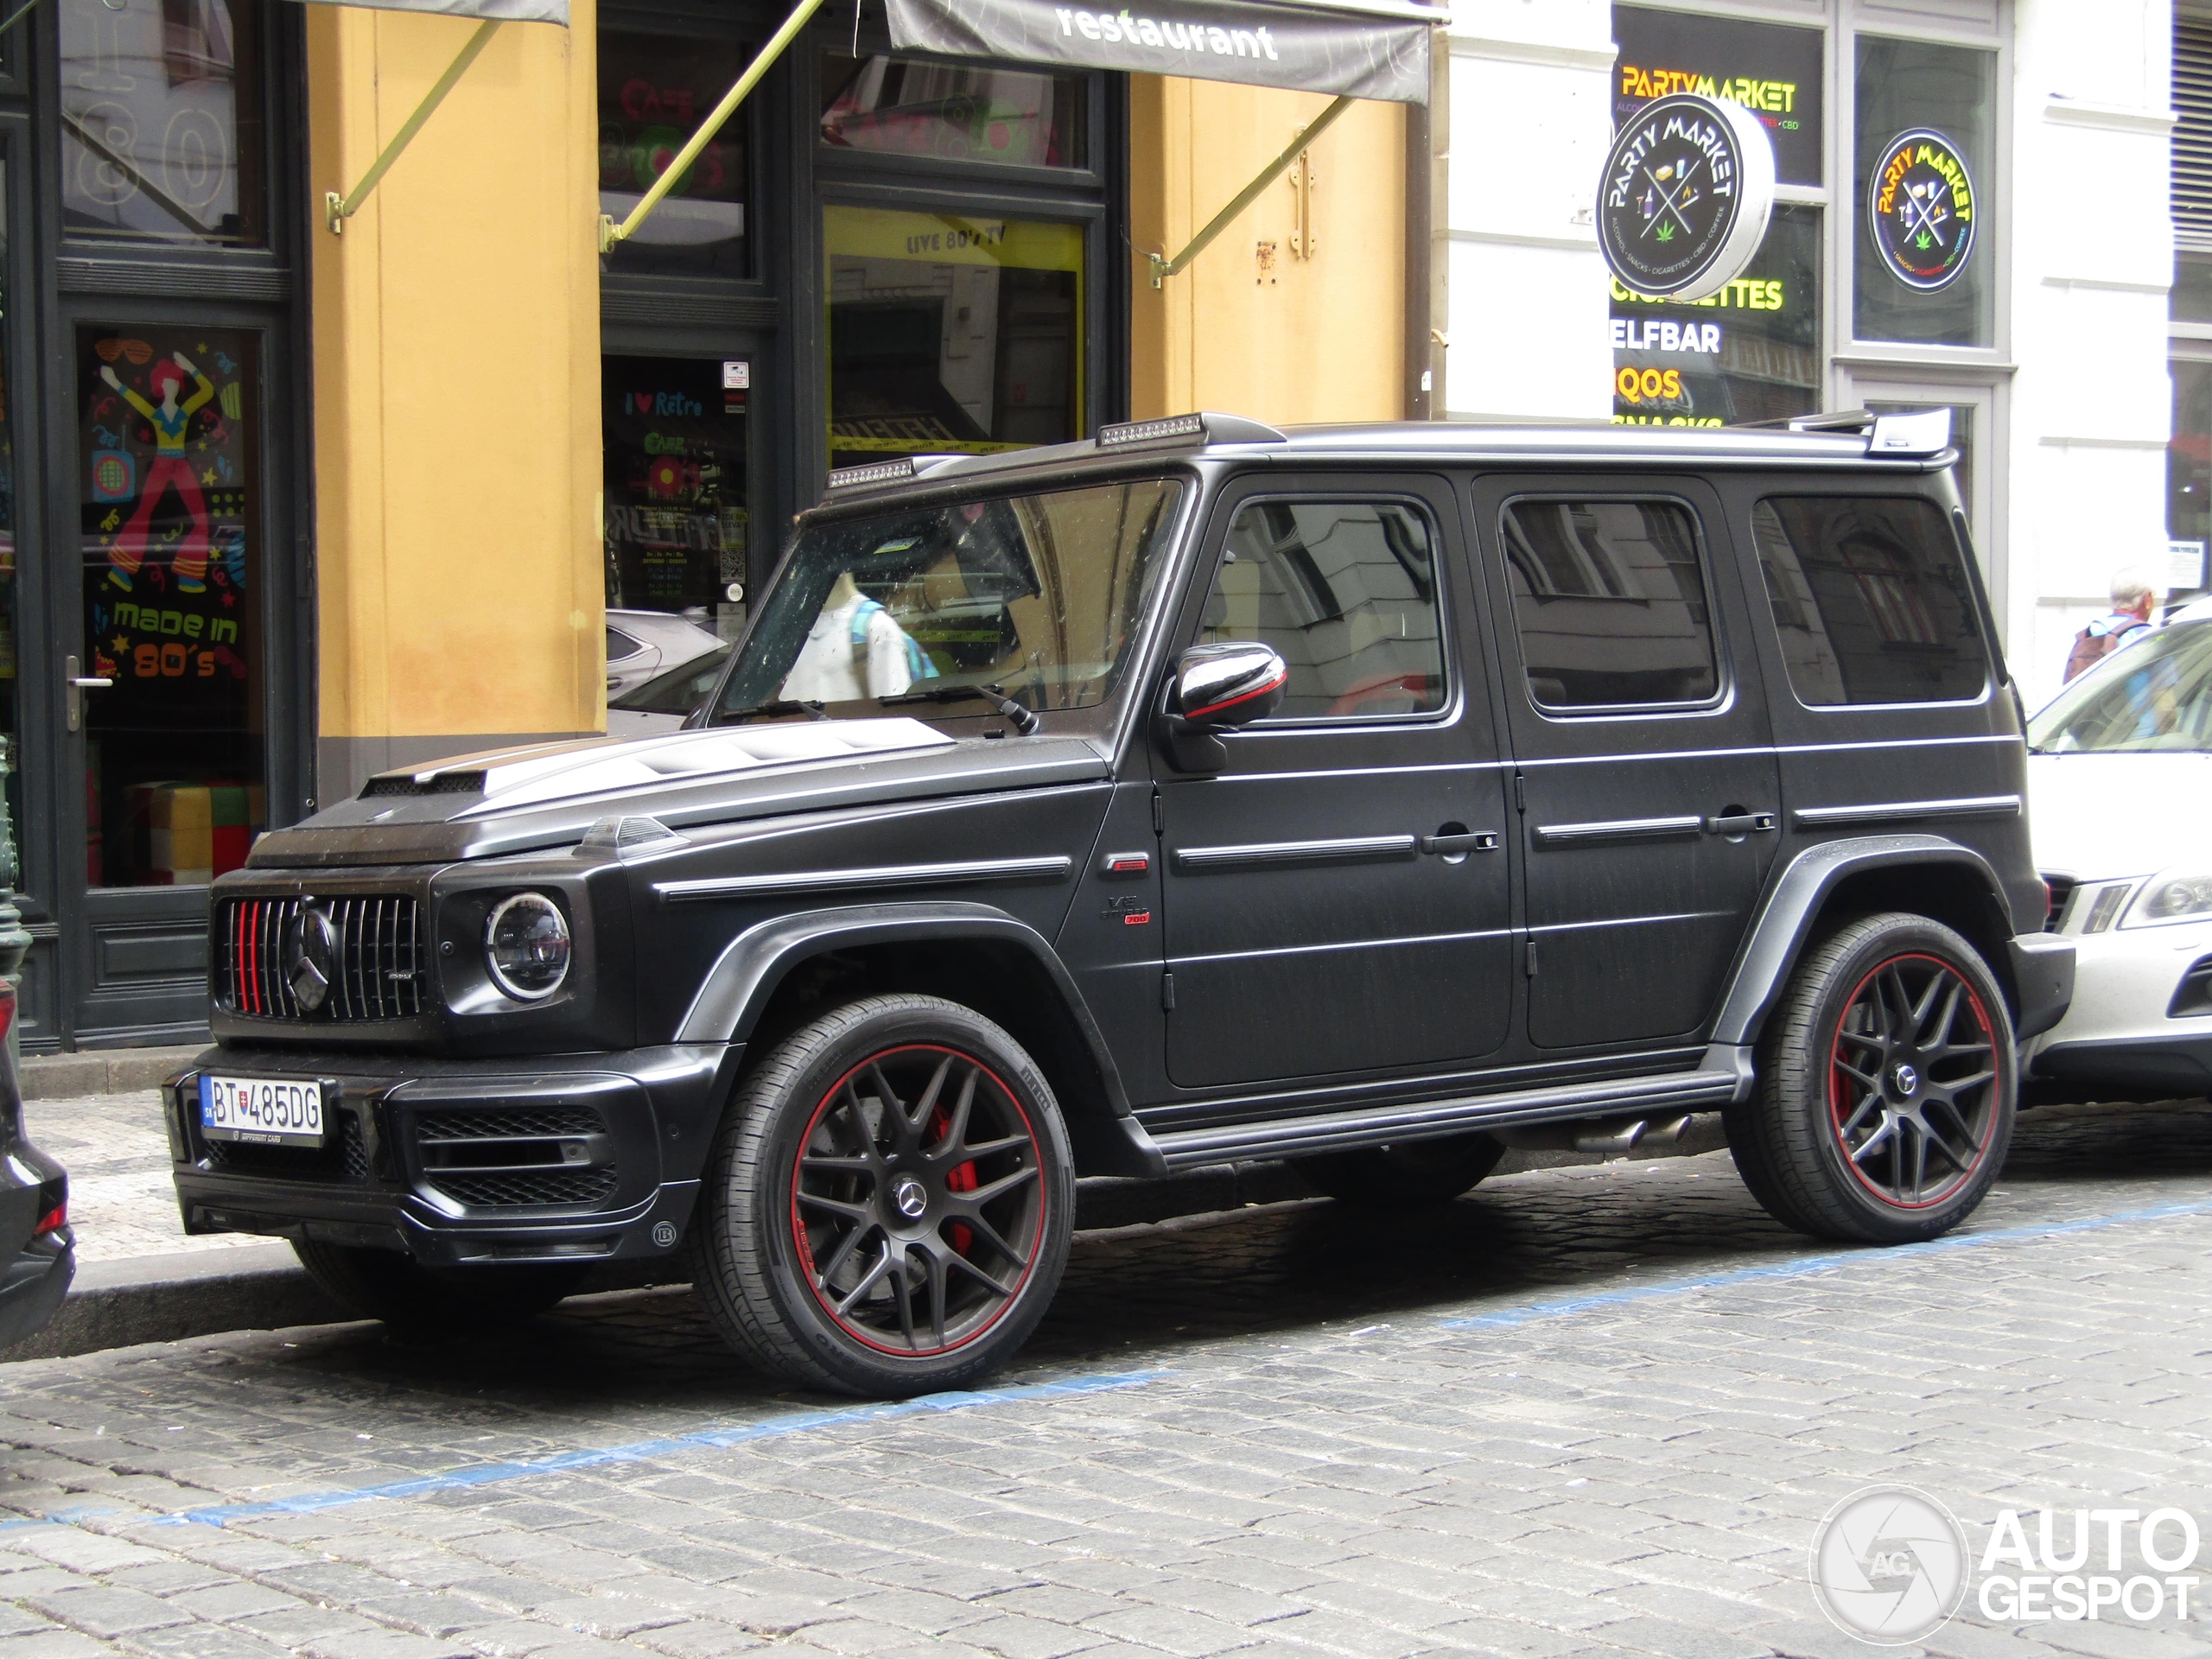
[2047, 333]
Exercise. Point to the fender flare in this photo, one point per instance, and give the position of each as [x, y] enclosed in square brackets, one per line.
[1787, 917]
[730, 998]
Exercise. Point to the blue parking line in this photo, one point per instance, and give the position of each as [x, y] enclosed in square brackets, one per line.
[489, 1474]
[1805, 1266]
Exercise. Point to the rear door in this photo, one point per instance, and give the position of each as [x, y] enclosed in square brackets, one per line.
[1647, 786]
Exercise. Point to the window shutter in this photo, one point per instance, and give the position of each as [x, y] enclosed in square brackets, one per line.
[2192, 140]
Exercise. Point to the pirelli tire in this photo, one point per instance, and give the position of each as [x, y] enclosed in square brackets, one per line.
[888, 1206]
[1887, 1085]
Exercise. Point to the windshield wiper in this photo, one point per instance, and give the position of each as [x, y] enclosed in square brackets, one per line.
[1023, 717]
[771, 710]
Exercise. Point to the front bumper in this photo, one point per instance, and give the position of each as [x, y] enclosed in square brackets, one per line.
[556, 1157]
[2135, 1024]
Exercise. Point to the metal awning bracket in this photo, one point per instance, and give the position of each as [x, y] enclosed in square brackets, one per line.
[337, 209]
[609, 231]
[1163, 267]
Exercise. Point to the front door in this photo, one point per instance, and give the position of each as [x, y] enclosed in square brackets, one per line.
[1337, 900]
[1647, 784]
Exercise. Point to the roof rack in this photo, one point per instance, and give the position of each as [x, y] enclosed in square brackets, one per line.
[1177, 430]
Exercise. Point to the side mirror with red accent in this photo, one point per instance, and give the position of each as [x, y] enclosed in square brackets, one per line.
[1217, 688]
[1229, 684]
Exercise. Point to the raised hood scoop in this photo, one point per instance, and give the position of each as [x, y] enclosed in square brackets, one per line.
[506, 779]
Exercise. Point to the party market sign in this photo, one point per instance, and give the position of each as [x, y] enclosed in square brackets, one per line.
[1921, 210]
[1688, 190]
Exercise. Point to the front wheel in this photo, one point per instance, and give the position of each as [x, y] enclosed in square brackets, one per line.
[1886, 1086]
[888, 1204]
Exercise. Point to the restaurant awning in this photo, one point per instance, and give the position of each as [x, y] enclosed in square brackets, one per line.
[1355, 48]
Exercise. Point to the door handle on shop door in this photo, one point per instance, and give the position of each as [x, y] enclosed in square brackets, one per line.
[1740, 823]
[75, 685]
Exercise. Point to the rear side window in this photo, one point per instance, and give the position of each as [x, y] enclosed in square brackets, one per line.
[1610, 600]
[1345, 592]
[620, 645]
[1871, 600]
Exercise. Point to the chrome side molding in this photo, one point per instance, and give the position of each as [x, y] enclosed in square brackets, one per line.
[1586, 835]
[881, 875]
[1352, 850]
[1971, 806]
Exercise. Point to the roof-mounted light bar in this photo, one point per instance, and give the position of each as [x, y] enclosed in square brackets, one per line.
[895, 471]
[1923, 432]
[1181, 430]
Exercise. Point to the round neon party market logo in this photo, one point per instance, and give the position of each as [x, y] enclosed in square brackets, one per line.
[1889, 1565]
[1921, 210]
[1687, 192]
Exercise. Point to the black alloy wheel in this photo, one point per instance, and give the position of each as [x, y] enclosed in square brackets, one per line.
[888, 1207]
[1887, 1085]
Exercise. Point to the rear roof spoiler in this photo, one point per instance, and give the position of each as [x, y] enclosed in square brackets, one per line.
[1921, 433]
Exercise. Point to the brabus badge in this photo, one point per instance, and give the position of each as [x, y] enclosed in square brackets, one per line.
[1921, 210]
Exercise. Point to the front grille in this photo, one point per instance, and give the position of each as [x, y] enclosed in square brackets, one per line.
[381, 958]
[2062, 889]
[517, 1156]
[534, 1187]
[342, 1157]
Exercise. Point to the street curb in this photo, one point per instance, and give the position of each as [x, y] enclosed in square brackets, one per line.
[100, 1071]
[262, 1287]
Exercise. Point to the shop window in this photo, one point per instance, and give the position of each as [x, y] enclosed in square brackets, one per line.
[169, 466]
[952, 335]
[1772, 71]
[675, 518]
[654, 91]
[1345, 592]
[161, 135]
[1609, 601]
[2189, 468]
[1750, 352]
[1921, 270]
[952, 112]
[1870, 599]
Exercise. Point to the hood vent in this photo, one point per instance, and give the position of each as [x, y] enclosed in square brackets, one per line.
[423, 782]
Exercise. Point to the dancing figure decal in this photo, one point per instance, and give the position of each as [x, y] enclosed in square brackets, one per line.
[170, 469]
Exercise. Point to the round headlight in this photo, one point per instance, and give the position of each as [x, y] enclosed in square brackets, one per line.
[2172, 896]
[526, 946]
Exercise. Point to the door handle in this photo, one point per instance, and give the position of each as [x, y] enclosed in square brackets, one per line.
[1741, 823]
[1481, 841]
[75, 685]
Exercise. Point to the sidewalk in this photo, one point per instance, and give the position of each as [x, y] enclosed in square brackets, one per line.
[140, 1279]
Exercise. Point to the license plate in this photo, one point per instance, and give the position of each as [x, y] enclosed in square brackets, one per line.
[263, 1110]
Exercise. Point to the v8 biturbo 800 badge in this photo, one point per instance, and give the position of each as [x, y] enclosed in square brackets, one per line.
[1920, 208]
[1687, 192]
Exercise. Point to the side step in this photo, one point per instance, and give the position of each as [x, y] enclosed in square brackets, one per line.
[1724, 1074]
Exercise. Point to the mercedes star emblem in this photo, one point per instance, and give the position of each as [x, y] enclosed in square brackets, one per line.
[312, 961]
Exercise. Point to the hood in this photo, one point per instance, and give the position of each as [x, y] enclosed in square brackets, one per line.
[549, 795]
[2093, 816]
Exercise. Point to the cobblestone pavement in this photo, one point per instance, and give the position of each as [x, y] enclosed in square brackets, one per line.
[117, 1157]
[1582, 1410]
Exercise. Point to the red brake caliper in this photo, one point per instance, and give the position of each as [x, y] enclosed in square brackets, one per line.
[962, 1180]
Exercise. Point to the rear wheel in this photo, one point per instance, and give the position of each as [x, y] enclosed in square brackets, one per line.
[1886, 1087]
[1417, 1173]
[420, 1301]
[888, 1204]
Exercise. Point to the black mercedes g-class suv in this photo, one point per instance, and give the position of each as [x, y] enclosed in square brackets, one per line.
[1368, 796]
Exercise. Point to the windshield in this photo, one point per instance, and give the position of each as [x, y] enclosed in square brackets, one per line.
[1038, 596]
[2153, 695]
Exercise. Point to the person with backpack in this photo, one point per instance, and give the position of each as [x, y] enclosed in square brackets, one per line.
[2128, 620]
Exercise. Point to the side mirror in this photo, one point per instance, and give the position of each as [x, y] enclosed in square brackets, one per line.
[1217, 688]
[1229, 684]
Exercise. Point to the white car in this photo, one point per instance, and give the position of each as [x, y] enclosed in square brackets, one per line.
[2120, 781]
[665, 701]
[642, 643]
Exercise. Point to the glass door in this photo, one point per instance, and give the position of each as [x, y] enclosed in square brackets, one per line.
[164, 662]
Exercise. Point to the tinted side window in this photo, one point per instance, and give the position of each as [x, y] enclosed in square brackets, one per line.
[1610, 601]
[1345, 591]
[620, 645]
[1871, 600]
